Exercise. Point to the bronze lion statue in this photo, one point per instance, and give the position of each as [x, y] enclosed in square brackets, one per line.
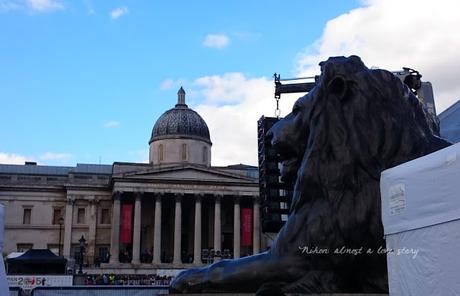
[351, 126]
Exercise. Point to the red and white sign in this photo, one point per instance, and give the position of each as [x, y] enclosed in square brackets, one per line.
[126, 227]
[246, 227]
[28, 282]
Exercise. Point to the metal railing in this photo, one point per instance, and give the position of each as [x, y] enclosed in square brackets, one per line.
[100, 291]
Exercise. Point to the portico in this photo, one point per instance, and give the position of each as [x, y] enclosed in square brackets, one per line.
[174, 224]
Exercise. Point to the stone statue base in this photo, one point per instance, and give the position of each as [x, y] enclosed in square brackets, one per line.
[287, 294]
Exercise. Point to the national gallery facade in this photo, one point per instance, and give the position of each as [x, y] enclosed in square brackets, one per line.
[174, 212]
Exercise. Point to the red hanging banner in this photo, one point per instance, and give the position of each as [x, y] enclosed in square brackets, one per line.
[246, 227]
[126, 226]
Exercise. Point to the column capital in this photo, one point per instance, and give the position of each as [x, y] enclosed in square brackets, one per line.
[199, 197]
[70, 200]
[138, 194]
[218, 197]
[94, 201]
[178, 196]
[117, 195]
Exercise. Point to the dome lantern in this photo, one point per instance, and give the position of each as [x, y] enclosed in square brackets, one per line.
[181, 98]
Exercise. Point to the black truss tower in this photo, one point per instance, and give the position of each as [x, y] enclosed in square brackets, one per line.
[275, 196]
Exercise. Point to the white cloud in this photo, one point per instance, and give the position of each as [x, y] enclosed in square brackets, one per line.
[392, 34]
[11, 158]
[118, 12]
[56, 156]
[7, 5]
[89, 7]
[39, 6]
[218, 41]
[140, 155]
[389, 34]
[112, 124]
[167, 84]
[44, 5]
[233, 104]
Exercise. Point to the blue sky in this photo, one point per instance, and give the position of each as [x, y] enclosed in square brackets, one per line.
[84, 81]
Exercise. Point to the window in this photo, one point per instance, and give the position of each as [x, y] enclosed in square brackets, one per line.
[24, 247]
[81, 216]
[105, 218]
[184, 151]
[160, 152]
[57, 215]
[26, 216]
[205, 154]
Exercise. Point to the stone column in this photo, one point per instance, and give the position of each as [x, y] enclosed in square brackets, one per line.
[68, 226]
[92, 229]
[157, 231]
[115, 235]
[236, 229]
[177, 231]
[256, 230]
[217, 225]
[137, 229]
[197, 238]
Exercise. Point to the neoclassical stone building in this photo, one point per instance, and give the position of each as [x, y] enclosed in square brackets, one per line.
[138, 217]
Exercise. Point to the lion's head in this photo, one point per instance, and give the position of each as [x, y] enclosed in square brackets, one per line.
[353, 124]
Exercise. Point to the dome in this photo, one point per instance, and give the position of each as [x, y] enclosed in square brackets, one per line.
[180, 122]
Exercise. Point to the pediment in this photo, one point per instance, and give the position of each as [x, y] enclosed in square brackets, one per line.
[189, 173]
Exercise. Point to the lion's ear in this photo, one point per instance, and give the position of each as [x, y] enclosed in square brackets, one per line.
[338, 86]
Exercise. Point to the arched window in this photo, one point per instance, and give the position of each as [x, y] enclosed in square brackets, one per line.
[205, 154]
[184, 151]
[160, 152]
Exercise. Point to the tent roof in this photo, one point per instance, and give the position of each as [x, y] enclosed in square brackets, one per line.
[38, 255]
[14, 255]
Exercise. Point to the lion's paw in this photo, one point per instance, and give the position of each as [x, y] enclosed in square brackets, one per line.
[191, 280]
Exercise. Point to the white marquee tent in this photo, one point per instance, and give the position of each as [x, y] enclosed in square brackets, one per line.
[421, 218]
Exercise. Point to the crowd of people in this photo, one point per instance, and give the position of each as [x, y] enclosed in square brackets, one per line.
[128, 279]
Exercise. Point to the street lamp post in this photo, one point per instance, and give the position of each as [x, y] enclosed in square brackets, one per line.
[60, 221]
[82, 241]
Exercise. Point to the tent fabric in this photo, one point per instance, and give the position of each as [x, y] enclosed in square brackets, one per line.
[37, 261]
[421, 192]
[425, 262]
[14, 255]
[421, 218]
[40, 255]
[3, 282]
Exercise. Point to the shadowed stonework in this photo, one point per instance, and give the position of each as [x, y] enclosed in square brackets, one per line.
[351, 126]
